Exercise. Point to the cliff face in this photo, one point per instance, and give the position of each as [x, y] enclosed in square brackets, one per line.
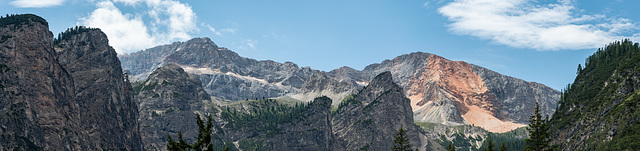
[71, 97]
[37, 110]
[108, 112]
[167, 102]
[311, 132]
[371, 118]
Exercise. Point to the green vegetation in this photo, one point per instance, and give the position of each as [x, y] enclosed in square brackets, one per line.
[604, 94]
[20, 20]
[401, 141]
[250, 145]
[203, 143]
[538, 132]
[264, 117]
[490, 145]
[426, 125]
[346, 101]
[455, 135]
[70, 32]
[451, 147]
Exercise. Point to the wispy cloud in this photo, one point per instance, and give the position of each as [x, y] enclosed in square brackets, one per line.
[36, 3]
[218, 32]
[170, 21]
[527, 24]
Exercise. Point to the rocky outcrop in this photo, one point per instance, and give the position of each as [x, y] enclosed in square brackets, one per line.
[38, 109]
[108, 112]
[168, 102]
[372, 117]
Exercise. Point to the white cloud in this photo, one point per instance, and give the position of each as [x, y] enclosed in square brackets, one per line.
[125, 32]
[36, 3]
[526, 24]
[170, 21]
[251, 43]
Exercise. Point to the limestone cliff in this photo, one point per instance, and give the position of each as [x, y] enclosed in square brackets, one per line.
[108, 112]
[38, 109]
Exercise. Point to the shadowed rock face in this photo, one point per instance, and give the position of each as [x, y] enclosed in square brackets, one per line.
[71, 97]
[37, 109]
[108, 112]
[374, 115]
[168, 101]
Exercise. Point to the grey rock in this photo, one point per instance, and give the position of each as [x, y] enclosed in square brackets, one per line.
[372, 122]
[168, 102]
[108, 112]
[38, 110]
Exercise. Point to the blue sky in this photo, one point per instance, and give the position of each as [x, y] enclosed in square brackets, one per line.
[541, 41]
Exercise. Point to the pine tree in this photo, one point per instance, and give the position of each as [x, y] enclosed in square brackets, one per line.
[451, 147]
[204, 138]
[401, 141]
[490, 144]
[503, 147]
[538, 132]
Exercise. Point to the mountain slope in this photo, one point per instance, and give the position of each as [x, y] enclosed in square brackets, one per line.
[599, 111]
[455, 92]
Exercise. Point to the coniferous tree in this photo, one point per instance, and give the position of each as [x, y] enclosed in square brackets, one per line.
[401, 141]
[490, 145]
[538, 132]
[204, 138]
[451, 147]
[503, 147]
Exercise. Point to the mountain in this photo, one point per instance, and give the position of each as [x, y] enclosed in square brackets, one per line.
[440, 90]
[369, 119]
[224, 73]
[167, 103]
[599, 111]
[67, 94]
